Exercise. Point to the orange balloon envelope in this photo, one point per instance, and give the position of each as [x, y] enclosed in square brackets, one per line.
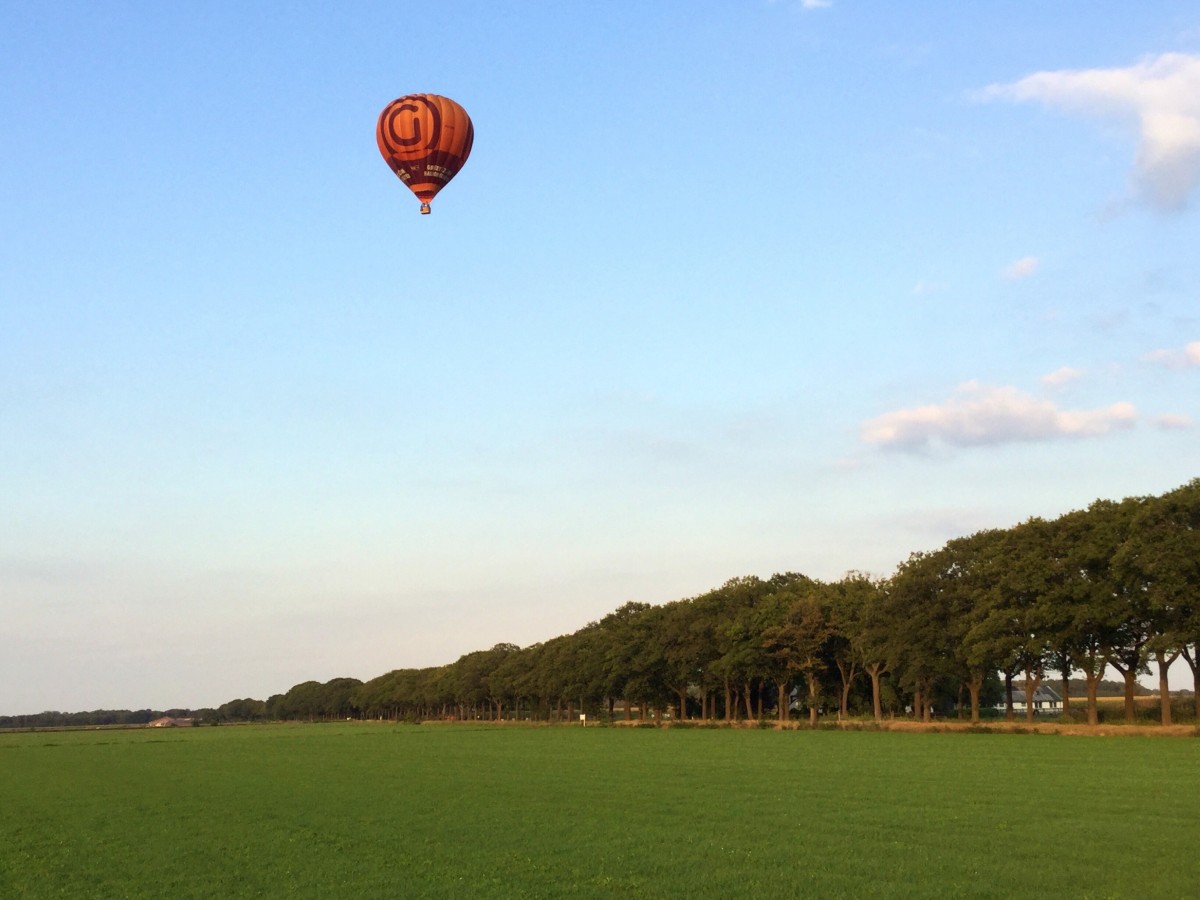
[424, 139]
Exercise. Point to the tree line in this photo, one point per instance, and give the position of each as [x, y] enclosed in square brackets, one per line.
[951, 630]
[1114, 584]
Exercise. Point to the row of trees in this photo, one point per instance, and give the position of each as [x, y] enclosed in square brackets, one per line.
[127, 718]
[1113, 585]
[953, 629]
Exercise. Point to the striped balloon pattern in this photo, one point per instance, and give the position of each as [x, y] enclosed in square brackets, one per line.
[424, 139]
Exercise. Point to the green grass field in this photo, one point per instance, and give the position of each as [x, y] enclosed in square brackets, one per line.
[379, 810]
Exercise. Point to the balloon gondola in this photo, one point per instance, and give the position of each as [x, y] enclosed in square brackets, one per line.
[424, 139]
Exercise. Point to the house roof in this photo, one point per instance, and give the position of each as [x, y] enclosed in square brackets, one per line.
[1043, 694]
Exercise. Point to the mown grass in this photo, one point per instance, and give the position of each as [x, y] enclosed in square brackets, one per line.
[377, 810]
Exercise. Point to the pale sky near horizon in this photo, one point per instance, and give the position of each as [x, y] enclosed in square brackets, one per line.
[725, 288]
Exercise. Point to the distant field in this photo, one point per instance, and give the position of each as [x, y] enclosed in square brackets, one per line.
[375, 810]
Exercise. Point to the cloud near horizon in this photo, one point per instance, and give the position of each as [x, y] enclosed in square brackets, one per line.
[978, 415]
[1158, 98]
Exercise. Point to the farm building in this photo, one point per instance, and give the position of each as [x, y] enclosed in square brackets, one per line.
[169, 722]
[1045, 700]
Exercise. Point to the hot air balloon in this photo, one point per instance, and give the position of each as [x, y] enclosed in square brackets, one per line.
[424, 139]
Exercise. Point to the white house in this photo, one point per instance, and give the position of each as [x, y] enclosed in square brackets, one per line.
[1045, 700]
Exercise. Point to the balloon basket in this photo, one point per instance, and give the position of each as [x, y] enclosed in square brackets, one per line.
[425, 210]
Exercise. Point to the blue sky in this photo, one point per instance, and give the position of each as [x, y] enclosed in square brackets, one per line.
[726, 288]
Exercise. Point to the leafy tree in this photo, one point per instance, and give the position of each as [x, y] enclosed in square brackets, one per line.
[741, 657]
[845, 600]
[1127, 624]
[1159, 563]
[799, 643]
[871, 636]
[686, 639]
[922, 599]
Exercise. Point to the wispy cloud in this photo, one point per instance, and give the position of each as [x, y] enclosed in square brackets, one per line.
[1174, 358]
[816, 4]
[924, 288]
[1173, 422]
[983, 415]
[1021, 268]
[1158, 99]
[1061, 376]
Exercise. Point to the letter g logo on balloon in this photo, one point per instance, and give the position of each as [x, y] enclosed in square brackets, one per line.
[412, 127]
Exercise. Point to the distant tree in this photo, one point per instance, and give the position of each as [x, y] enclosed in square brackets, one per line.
[848, 601]
[684, 636]
[871, 636]
[921, 600]
[800, 641]
[1127, 622]
[1159, 563]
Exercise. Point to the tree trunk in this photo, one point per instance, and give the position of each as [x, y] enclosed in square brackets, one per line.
[1130, 676]
[782, 687]
[849, 671]
[1093, 671]
[875, 670]
[1066, 692]
[918, 705]
[974, 686]
[1093, 681]
[1164, 691]
[1009, 715]
[813, 688]
[728, 701]
[1193, 661]
[1033, 681]
[844, 706]
[682, 692]
[749, 707]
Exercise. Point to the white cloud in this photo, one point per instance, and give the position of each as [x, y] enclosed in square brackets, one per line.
[816, 4]
[1176, 359]
[1061, 376]
[981, 415]
[1159, 100]
[1021, 268]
